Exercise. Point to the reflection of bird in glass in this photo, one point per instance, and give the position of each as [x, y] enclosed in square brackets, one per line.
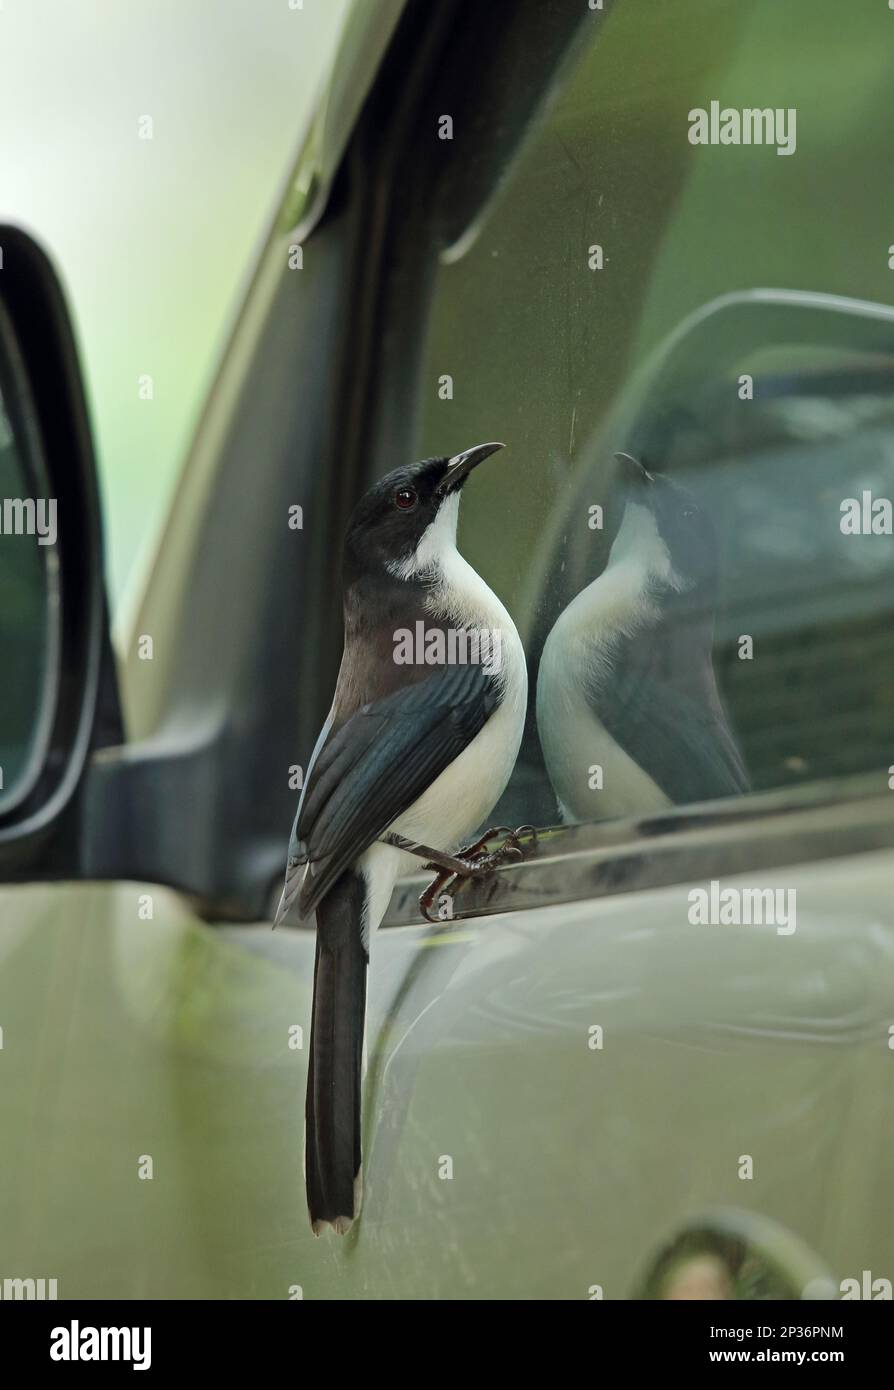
[628, 712]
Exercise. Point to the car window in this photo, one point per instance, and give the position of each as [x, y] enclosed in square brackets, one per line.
[691, 270]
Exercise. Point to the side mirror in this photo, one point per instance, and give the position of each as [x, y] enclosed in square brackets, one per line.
[58, 696]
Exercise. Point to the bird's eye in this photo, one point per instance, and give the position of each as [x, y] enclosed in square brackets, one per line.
[405, 498]
[689, 513]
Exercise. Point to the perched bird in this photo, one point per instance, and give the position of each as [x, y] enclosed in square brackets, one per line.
[628, 712]
[412, 757]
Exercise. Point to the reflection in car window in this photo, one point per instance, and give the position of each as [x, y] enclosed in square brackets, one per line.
[709, 613]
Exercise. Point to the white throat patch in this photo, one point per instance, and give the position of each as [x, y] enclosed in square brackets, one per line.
[437, 542]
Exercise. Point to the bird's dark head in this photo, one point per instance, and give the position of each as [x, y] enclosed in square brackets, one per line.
[408, 518]
[686, 539]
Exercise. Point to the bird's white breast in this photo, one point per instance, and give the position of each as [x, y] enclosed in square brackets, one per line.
[465, 793]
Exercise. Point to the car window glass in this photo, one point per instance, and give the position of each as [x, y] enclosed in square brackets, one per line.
[721, 313]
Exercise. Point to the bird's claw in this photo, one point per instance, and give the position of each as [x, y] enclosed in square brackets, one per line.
[472, 861]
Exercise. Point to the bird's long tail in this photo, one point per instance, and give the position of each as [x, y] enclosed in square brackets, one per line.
[332, 1160]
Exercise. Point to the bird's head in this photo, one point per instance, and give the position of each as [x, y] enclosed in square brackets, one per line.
[679, 543]
[407, 520]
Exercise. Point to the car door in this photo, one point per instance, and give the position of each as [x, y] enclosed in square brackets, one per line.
[499, 228]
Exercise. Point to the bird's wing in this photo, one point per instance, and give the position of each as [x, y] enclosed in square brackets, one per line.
[684, 745]
[374, 766]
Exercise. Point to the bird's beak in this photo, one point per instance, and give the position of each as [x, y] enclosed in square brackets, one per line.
[635, 470]
[461, 465]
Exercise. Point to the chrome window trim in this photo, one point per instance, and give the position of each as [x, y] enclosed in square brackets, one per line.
[693, 844]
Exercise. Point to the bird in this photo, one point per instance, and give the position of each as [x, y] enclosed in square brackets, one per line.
[410, 760]
[629, 716]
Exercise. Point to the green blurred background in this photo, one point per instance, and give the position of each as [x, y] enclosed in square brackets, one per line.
[153, 238]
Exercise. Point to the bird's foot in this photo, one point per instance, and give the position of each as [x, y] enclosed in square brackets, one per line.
[471, 862]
